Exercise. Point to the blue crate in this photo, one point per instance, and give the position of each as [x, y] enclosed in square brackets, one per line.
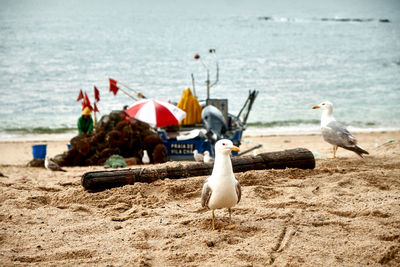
[183, 149]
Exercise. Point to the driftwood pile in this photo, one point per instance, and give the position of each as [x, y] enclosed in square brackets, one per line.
[114, 135]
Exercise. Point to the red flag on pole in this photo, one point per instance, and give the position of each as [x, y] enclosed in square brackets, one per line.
[95, 109]
[86, 102]
[96, 94]
[80, 96]
[113, 86]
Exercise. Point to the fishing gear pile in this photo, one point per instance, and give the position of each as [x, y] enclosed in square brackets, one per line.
[114, 135]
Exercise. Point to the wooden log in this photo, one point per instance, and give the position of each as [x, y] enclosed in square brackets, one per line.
[294, 158]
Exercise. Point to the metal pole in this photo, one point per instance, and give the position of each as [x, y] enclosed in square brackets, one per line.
[194, 89]
[212, 51]
[208, 78]
[208, 83]
[208, 74]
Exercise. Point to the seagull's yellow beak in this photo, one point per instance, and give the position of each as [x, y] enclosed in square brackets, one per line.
[314, 107]
[235, 148]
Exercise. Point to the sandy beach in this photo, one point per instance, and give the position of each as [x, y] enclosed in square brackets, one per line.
[345, 212]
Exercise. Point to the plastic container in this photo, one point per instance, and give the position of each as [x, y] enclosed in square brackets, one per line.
[39, 151]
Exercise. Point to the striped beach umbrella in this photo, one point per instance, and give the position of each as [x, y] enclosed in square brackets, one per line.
[157, 113]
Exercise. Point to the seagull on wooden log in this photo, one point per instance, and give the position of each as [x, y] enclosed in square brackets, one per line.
[51, 165]
[255, 152]
[221, 189]
[207, 157]
[197, 156]
[335, 133]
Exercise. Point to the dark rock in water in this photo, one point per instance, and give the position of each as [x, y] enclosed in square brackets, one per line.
[347, 19]
[342, 20]
[36, 163]
[362, 20]
[336, 19]
[265, 18]
[330, 19]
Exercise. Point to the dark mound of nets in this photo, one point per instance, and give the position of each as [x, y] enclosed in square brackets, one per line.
[114, 135]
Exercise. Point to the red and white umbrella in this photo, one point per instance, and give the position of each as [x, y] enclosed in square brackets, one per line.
[157, 113]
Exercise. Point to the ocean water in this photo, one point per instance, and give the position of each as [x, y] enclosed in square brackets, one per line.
[295, 53]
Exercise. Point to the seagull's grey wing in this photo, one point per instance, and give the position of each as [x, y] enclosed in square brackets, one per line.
[205, 194]
[336, 134]
[54, 166]
[238, 191]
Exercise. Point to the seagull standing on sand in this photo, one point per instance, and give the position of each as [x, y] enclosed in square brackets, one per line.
[221, 189]
[335, 133]
[51, 165]
[207, 157]
[197, 156]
